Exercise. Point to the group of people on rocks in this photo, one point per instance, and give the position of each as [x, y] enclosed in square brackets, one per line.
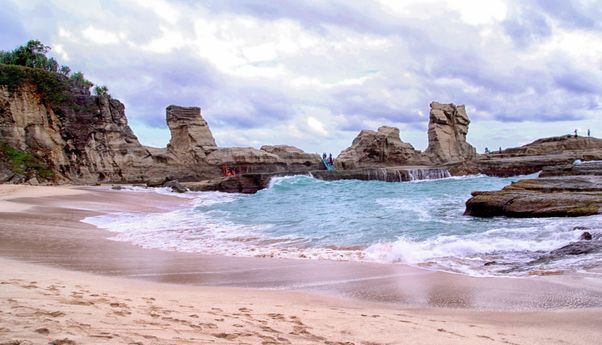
[488, 152]
[324, 157]
[588, 133]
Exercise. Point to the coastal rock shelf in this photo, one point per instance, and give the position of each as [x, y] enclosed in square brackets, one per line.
[574, 191]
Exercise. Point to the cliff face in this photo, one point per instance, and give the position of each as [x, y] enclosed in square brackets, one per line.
[86, 139]
[448, 126]
[52, 131]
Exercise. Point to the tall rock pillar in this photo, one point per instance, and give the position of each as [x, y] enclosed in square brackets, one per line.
[191, 140]
[448, 125]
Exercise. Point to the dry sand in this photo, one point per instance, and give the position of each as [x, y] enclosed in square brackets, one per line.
[55, 297]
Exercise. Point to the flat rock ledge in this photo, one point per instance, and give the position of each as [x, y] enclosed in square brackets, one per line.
[555, 196]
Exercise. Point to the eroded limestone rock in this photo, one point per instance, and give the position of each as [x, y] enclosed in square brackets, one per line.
[379, 148]
[448, 126]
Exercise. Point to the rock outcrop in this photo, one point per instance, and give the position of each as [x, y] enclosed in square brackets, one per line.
[381, 148]
[553, 196]
[296, 159]
[448, 126]
[80, 138]
[191, 140]
[541, 153]
[52, 131]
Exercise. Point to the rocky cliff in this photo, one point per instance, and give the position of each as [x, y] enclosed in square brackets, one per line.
[52, 131]
[74, 136]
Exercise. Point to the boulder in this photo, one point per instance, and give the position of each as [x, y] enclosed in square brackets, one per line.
[379, 148]
[175, 186]
[448, 126]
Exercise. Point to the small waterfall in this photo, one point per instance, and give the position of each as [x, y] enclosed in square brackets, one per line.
[428, 173]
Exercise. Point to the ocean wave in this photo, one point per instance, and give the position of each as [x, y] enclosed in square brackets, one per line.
[305, 218]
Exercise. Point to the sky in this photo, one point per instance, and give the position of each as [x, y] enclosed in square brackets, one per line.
[314, 73]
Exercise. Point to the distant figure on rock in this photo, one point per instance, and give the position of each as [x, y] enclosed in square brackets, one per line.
[486, 150]
[324, 156]
[330, 158]
[500, 150]
[588, 133]
[575, 133]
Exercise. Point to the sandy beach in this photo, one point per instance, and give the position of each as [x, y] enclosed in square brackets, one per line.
[63, 282]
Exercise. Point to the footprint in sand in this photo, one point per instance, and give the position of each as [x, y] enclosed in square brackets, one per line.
[277, 316]
[65, 341]
[227, 336]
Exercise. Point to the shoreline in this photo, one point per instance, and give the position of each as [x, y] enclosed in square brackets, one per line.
[49, 237]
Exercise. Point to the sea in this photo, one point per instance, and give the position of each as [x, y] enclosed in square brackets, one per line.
[417, 223]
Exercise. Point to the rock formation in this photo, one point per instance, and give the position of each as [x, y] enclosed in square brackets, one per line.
[448, 126]
[84, 139]
[561, 193]
[541, 153]
[191, 140]
[57, 132]
[381, 148]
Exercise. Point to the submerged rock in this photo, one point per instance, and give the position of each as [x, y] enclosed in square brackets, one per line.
[175, 186]
[571, 249]
[586, 236]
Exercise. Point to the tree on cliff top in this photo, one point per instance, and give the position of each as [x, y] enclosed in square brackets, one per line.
[33, 55]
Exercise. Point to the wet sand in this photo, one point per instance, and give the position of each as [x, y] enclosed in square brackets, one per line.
[46, 231]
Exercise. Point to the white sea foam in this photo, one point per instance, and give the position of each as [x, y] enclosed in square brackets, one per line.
[301, 217]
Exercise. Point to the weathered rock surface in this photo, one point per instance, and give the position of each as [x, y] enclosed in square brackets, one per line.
[297, 159]
[86, 139]
[542, 197]
[191, 140]
[541, 153]
[241, 183]
[448, 126]
[74, 137]
[381, 148]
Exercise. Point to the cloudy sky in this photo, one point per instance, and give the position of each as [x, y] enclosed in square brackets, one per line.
[314, 73]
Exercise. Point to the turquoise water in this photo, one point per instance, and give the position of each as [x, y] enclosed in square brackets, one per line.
[417, 223]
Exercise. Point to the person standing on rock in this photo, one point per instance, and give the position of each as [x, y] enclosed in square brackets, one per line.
[330, 158]
[588, 133]
[575, 132]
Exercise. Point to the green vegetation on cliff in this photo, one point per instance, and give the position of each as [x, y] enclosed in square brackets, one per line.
[24, 163]
[29, 63]
[51, 88]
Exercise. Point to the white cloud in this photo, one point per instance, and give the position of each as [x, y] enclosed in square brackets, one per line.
[100, 36]
[58, 48]
[315, 126]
